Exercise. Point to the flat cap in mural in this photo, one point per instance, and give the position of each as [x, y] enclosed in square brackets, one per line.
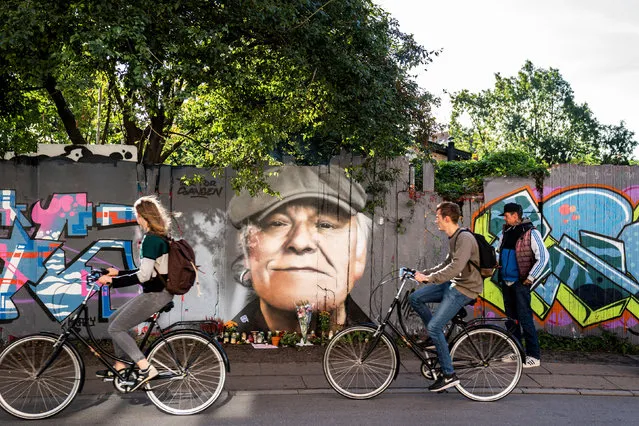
[296, 183]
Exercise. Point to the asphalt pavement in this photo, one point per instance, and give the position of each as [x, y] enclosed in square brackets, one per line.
[278, 374]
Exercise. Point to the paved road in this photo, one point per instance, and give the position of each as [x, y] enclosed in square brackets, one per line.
[391, 408]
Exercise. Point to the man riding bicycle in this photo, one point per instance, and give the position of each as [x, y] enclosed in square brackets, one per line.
[460, 283]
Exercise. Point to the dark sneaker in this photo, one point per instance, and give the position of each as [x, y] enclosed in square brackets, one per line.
[444, 382]
[144, 376]
[104, 374]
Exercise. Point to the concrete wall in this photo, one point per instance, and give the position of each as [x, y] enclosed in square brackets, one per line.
[59, 218]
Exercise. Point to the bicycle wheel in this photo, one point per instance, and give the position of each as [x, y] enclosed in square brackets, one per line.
[348, 374]
[28, 397]
[192, 373]
[478, 360]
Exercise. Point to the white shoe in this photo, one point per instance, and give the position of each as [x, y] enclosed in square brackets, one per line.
[531, 362]
[510, 358]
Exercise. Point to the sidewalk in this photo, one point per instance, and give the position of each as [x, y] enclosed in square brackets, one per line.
[278, 375]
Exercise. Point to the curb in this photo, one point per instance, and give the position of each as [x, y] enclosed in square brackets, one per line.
[517, 391]
[521, 391]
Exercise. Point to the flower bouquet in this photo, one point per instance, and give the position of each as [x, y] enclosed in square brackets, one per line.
[230, 327]
[304, 311]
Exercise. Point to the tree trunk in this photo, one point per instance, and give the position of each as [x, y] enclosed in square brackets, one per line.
[68, 119]
[153, 152]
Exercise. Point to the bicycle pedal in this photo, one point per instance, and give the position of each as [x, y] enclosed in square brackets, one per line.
[107, 379]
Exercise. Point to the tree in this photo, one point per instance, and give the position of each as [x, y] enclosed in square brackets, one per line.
[536, 111]
[229, 83]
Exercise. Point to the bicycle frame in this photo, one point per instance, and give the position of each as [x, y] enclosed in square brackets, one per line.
[465, 326]
[70, 328]
[405, 275]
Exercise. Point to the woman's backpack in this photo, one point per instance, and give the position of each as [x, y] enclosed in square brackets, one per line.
[183, 272]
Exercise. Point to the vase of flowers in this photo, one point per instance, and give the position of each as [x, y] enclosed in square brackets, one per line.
[304, 311]
[230, 327]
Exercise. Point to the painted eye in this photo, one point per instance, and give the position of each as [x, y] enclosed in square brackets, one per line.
[325, 225]
[276, 224]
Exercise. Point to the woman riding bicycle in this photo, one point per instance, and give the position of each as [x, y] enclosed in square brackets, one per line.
[154, 221]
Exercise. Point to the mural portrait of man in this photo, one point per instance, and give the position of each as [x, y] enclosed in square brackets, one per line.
[308, 244]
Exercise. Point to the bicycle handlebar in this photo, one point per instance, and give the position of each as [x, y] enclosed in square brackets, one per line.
[96, 273]
[407, 271]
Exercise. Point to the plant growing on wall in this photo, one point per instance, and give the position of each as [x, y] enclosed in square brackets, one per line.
[454, 179]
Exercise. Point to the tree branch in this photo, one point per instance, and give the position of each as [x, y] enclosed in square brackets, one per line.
[67, 117]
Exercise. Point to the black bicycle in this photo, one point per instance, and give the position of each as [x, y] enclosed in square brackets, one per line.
[41, 374]
[361, 361]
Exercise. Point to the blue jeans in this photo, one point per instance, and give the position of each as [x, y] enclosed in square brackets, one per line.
[450, 301]
[517, 306]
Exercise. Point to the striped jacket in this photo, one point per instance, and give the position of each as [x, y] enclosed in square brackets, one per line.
[522, 253]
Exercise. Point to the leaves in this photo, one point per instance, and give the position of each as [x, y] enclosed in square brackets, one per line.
[455, 179]
[536, 111]
[238, 84]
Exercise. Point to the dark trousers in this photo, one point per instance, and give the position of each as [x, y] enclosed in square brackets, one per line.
[517, 305]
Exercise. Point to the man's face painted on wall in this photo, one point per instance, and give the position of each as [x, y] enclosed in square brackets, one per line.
[302, 251]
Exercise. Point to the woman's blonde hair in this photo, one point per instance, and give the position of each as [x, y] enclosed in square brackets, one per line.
[150, 208]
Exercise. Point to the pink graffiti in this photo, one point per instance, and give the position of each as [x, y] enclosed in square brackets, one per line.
[620, 323]
[83, 281]
[61, 208]
[561, 318]
[633, 193]
[547, 191]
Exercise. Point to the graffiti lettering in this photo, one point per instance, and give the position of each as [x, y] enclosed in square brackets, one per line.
[203, 190]
[40, 260]
[592, 235]
[82, 322]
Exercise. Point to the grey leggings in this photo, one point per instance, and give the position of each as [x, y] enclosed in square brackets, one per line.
[132, 313]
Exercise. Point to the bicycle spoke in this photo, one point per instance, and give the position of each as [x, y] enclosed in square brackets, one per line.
[353, 377]
[203, 377]
[30, 397]
[478, 360]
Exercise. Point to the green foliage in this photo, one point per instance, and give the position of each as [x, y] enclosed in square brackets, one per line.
[324, 322]
[536, 110]
[231, 83]
[376, 176]
[289, 338]
[455, 179]
[606, 342]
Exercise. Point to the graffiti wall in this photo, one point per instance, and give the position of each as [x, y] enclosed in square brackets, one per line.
[589, 219]
[260, 256]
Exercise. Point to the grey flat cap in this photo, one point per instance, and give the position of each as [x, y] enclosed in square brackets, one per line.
[295, 183]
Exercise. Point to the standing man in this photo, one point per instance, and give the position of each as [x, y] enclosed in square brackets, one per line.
[522, 258]
[461, 283]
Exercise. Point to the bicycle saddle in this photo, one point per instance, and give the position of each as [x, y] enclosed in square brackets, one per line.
[462, 313]
[167, 307]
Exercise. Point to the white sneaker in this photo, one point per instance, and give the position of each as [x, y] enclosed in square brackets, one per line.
[531, 362]
[513, 357]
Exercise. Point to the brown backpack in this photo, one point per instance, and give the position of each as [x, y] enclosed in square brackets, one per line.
[183, 272]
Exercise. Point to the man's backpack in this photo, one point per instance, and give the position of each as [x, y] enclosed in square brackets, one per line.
[487, 256]
[182, 268]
